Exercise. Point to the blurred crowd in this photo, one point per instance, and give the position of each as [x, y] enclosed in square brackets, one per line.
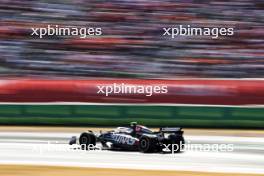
[132, 44]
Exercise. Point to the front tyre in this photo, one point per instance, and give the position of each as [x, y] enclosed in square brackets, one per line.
[87, 141]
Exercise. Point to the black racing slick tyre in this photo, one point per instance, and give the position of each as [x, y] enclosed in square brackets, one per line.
[176, 143]
[147, 144]
[87, 141]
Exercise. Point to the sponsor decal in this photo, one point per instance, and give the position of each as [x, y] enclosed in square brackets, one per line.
[122, 139]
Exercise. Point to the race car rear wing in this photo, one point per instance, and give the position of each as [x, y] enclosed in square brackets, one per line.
[170, 129]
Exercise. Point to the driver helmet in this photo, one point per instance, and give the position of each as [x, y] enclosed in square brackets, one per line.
[133, 124]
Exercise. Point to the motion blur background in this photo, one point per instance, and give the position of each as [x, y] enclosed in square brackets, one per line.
[132, 45]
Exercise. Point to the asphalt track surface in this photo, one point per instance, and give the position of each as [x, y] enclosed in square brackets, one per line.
[43, 148]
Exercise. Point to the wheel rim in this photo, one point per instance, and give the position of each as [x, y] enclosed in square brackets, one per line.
[144, 143]
[85, 140]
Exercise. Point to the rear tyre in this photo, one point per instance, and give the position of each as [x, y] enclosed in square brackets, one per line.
[87, 141]
[147, 144]
[177, 143]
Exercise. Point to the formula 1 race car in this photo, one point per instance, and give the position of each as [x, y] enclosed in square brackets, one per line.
[134, 138]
